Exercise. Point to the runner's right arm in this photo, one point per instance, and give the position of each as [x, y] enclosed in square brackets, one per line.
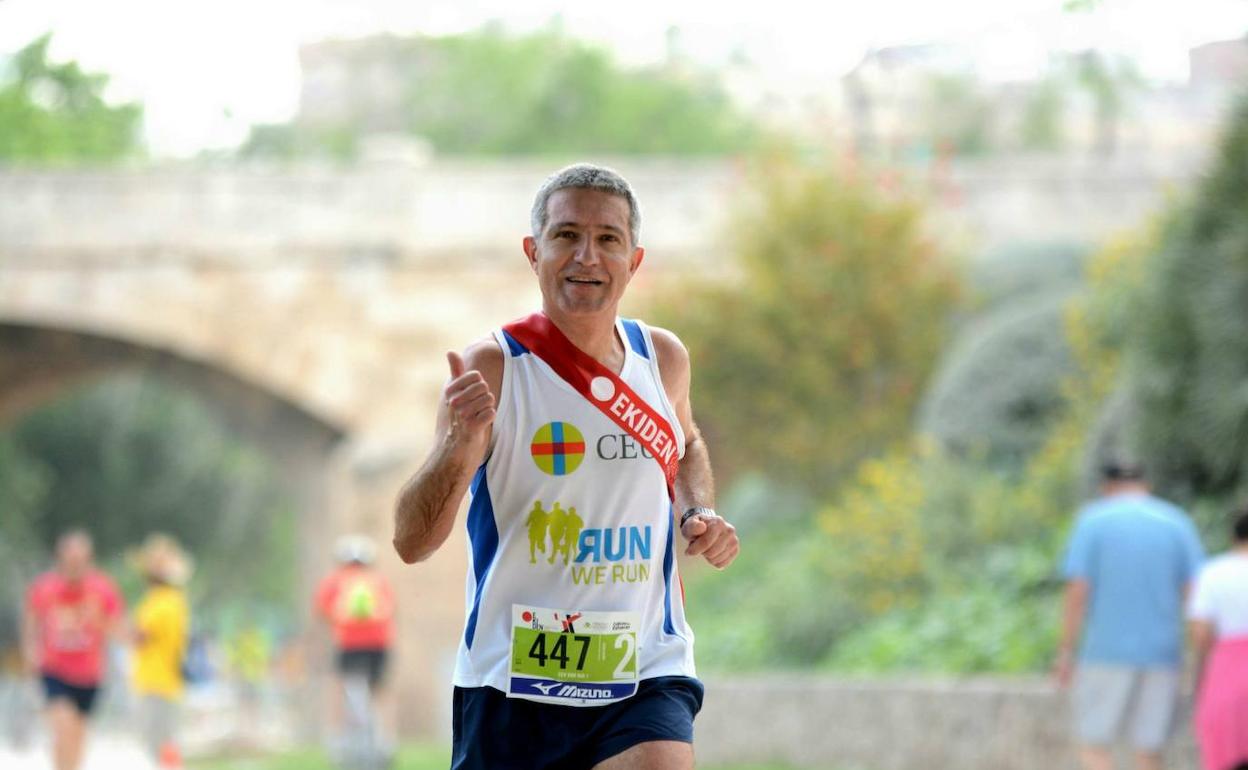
[30, 638]
[425, 511]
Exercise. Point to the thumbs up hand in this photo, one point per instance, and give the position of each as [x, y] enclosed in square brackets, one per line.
[469, 402]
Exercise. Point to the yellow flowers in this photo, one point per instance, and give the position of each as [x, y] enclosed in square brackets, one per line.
[875, 540]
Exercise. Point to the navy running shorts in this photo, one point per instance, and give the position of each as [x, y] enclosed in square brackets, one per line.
[83, 698]
[494, 732]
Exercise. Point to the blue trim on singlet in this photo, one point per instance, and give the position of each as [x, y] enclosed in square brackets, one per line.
[668, 562]
[483, 534]
[517, 349]
[636, 337]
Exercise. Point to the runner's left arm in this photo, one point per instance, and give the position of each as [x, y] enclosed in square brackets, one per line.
[711, 537]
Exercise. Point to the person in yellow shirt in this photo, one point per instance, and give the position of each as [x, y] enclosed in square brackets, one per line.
[161, 629]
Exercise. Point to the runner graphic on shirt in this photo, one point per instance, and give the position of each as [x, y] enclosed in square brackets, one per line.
[537, 522]
[571, 534]
[558, 529]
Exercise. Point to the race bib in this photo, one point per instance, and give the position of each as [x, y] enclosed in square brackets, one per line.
[572, 657]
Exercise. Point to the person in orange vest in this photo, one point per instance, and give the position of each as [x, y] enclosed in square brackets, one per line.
[357, 603]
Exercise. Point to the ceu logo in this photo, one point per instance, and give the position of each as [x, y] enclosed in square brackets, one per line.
[558, 448]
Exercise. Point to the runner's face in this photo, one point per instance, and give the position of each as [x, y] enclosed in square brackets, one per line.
[74, 555]
[585, 257]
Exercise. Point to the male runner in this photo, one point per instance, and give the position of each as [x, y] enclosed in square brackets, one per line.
[357, 602]
[587, 663]
[72, 612]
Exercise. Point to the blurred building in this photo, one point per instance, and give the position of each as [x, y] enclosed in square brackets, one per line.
[913, 103]
[360, 82]
[1223, 63]
[884, 92]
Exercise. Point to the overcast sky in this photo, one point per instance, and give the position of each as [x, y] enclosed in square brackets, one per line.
[206, 70]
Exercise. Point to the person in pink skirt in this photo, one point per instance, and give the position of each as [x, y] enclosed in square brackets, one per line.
[1219, 618]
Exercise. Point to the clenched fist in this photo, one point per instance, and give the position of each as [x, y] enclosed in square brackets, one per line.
[711, 537]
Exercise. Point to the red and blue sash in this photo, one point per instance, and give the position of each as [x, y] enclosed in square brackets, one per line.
[603, 388]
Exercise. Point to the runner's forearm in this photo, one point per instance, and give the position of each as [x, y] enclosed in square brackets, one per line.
[29, 637]
[425, 511]
[695, 483]
[1072, 615]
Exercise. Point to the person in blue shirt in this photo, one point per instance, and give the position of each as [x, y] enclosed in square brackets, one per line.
[1129, 563]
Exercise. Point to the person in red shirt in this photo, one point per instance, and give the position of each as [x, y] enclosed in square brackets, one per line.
[357, 602]
[71, 613]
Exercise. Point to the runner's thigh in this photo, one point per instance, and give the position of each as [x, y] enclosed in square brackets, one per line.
[654, 755]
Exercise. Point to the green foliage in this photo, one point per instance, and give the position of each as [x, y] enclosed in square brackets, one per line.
[932, 560]
[927, 559]
[488, 93]
[1187, 350]
[128, 457]
[783, 623]
[998, 391]
[23, 484]
[838, 307]
[995, 622]
[56, 114]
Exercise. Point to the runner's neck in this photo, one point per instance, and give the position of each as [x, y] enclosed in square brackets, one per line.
[595, 335]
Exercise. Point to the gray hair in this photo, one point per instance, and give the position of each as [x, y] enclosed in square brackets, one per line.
[585, 176]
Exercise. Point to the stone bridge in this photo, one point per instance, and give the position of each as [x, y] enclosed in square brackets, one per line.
[312, 307]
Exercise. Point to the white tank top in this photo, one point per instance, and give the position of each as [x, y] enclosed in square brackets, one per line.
[568, 511]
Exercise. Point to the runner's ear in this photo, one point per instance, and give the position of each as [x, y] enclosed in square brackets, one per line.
[530, 251]
[639, 255]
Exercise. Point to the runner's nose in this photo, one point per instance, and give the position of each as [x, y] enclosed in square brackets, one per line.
[587, 252]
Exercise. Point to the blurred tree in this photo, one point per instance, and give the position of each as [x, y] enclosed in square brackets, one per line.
[56, 113]
[286, 141]
[1187, 348]
[998, 391]
[957, 114]
[23, 485]
[490, 93]
[1109, 82]
[1041, 126]
[813, 348]
[127, 457]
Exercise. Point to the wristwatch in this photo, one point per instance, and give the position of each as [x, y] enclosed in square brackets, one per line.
[694, 511]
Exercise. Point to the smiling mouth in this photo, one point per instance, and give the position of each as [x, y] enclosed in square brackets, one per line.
[584, 281]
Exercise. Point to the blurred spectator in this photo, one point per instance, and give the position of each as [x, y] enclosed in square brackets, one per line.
[249, 653]
[71, 613]
[1219, 615]
[161, 629]
[357, 602]
[1129, 562]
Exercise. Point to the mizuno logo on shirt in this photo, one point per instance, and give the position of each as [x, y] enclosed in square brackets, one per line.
[572, 691]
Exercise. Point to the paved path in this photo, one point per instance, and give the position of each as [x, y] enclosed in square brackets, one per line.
[104, 752]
